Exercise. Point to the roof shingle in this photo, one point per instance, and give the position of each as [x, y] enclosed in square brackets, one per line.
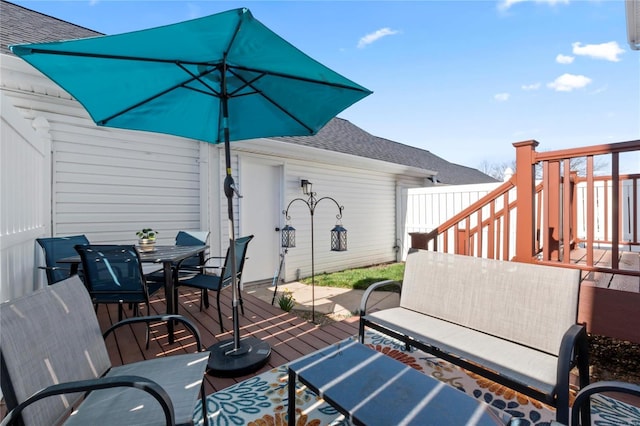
[21, 25]
[340, 135]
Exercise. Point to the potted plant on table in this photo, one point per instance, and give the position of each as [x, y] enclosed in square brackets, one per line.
[147, 239]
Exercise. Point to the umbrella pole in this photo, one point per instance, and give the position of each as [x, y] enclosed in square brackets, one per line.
[228, 190]
[234, 357]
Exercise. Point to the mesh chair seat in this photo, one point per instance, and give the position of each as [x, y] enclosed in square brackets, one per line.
[214, 282]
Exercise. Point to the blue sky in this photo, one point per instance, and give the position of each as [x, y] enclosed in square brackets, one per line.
[462, 79]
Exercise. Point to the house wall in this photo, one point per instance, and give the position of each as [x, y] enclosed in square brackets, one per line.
[368, 215]
[105, 183]
[109, 183]
[366, 191]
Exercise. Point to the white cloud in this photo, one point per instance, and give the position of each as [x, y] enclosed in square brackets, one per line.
[375, 36]
[501, 97]
[564, 59]
[506, 4]
[569, 82]
[533, 86]
[608, 51]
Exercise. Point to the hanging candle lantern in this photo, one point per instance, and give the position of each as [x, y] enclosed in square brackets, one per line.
[288, 236]
[338, 238]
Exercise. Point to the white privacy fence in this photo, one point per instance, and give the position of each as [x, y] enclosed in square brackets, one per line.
[603, 211]
[427, 208]
[25, 212]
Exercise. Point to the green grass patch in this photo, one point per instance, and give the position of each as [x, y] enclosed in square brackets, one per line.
[360, 278]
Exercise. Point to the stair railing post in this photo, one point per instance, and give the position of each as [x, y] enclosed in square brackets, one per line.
[525, 193]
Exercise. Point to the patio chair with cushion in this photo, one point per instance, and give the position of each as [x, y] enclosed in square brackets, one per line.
[52, 351]
[56, 248]
[113, 274]
[206, 281]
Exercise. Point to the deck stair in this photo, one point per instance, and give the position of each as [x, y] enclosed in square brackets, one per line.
[556, 213]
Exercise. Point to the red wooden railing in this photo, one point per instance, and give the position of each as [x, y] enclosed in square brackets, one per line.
[534, 217]
[484, 229]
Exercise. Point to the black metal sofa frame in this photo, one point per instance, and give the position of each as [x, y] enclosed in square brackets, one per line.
[513, 323]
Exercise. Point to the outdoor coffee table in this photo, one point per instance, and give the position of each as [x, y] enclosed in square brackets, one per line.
[370, 388]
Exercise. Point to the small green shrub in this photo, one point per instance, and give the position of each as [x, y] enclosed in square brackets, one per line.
[286, 300]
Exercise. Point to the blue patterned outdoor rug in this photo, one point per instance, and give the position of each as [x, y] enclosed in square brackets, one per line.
[262, 400]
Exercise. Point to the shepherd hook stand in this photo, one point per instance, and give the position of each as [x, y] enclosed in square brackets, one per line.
[276, 277]
[311, 203]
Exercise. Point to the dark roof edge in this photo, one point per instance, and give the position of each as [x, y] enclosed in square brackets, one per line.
[53, 17]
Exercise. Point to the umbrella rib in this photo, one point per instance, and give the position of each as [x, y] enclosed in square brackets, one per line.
[198, 77]
[246, 83]
[271, 101]
[299, 78]
[162, 93]
[174, 61]
[108, 56]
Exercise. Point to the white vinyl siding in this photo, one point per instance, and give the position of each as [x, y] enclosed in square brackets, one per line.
[109, 187]
[109, 183]
[368, 198]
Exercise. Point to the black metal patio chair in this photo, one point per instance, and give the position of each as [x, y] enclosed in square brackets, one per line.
[56, 248]
[189, 266]
[192, 238]
[113, 274]
[206, 281]
[582, 403]
[53, 352]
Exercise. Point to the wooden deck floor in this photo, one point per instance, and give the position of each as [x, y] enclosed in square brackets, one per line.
[289, 336]
[627, 260]
[609, 302]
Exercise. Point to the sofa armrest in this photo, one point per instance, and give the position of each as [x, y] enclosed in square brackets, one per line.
[146, 385]
[574, 352]
[371, 289]
[159, 318]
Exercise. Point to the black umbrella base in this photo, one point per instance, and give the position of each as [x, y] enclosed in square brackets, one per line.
[250, 356]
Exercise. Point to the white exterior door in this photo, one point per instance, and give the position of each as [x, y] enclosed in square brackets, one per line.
[260, 211]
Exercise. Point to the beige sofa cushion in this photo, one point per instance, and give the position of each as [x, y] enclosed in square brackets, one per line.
[533, 305]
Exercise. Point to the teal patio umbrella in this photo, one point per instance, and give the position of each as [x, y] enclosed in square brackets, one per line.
[221, 78]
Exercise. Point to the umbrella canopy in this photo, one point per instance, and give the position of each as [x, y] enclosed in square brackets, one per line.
[216, 79]
[174, 79]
